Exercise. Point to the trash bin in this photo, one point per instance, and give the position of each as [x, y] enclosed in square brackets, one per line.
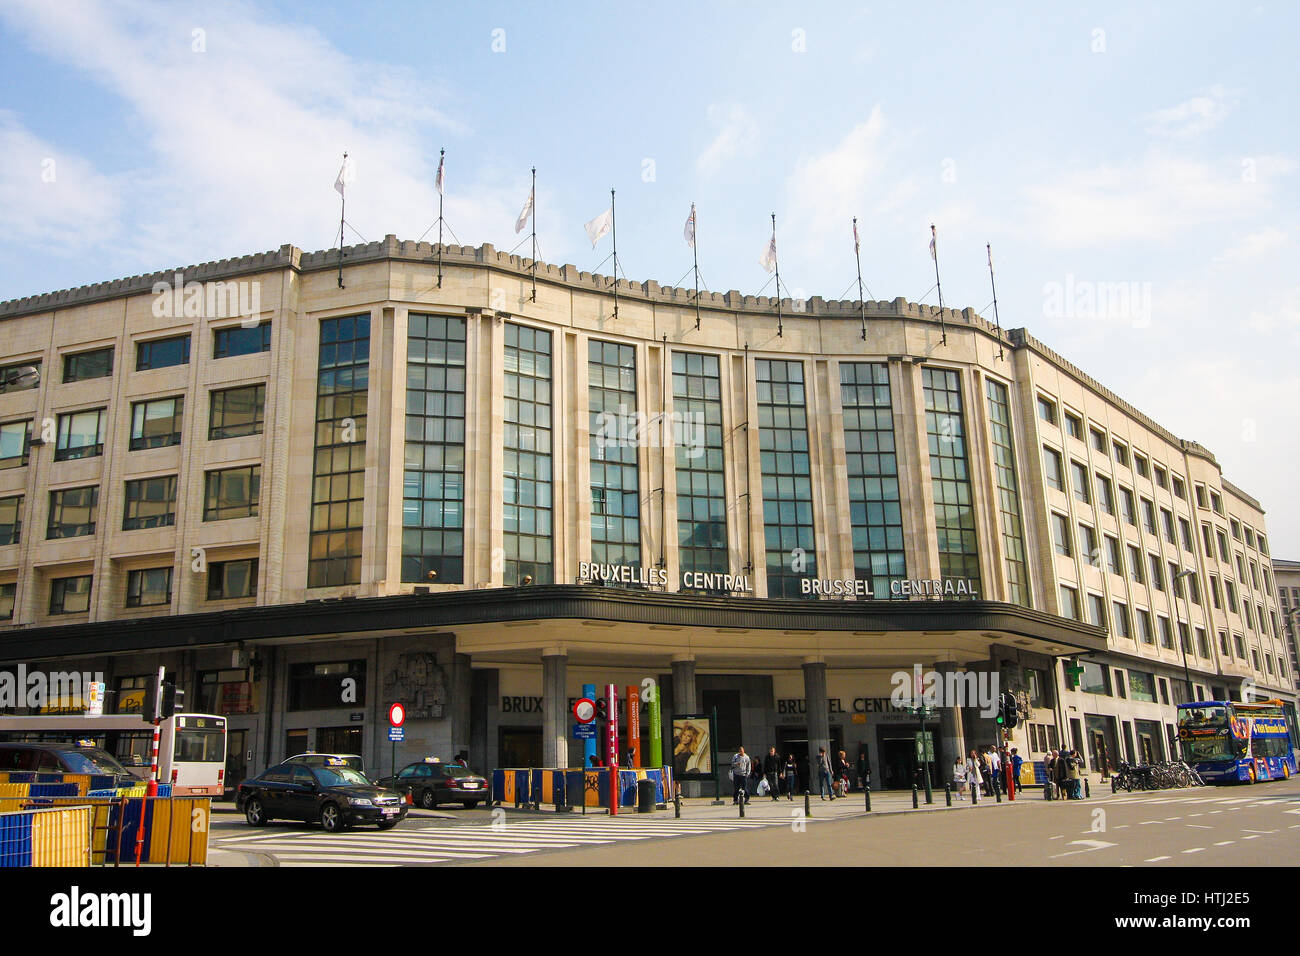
[645, 796]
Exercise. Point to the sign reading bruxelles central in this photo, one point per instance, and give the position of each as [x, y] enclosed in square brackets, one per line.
[589, 571]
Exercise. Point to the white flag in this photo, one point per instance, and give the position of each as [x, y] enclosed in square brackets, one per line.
[768, 259]
[599, 226]
[524, 214]
[439, 181]
[990, 249]
[688, 233]
[855, 237]
[933, 253]
[345, 177]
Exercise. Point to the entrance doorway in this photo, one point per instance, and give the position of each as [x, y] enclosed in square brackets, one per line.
[520, 746]
[236, 760]
[340, 740]
[899, 767]
[794, 740]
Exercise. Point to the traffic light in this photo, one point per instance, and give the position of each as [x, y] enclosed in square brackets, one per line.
[173, 700]
[1012, 711]
[1002, 709]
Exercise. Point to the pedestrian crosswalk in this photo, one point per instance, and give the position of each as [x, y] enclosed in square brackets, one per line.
[1255, 801]
[415, 846]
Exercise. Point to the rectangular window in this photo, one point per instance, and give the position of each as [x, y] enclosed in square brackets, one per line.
[1126, 509]
[1135, 564]
[316, 686]
[1200, 497]
[1157, 572]
[1079, 479]
[1105, 495]
[232, 493]
[1074, 426]
[1140, 465]
[1052, 469]
[875, 511]
[15, 443]
[1215, 593]
[11, 519]
[1096, 610]
[237, 412]
[232, 579]
[1119, 612]
[237, 340]
[1202, 643]
[1144, 627]
[1047, 410]
[528, 485]
[1141, 686]
[1093, 679]
[1121, 452]
[1088, 546]
[156, 423]
[339, 469]
[149, 587]
[701, 499]
[94, 364]
[1167, 523]
[1148, 516]
[1166, 632]
[80, 435]
[1208, 539]
[1004, 474]
[150, 503]
[1236, 528]
[1250, 536]
[1232, 596]
[1069, 603]
[1216, 503]
[1180, 490]
[8, 595]
[787, 482]
[73, 512]
[1240, 646]
[433, 489]
[1223, 545]
[162, 353]
[615, 486]
[70, 595]
[1114, 557]
[954, 511]
[1098, 439]
[1162, 477]
[1061, 535]
[1175, 583]
[1185, 535]
[1185, 637]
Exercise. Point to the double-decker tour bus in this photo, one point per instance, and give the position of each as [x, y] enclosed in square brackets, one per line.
[1229, 741]
[191, 747]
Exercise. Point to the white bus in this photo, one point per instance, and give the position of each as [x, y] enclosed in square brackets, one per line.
[191, 747]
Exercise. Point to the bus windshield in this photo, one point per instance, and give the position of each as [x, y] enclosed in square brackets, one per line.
[1208, 750]
[200, 746]
[1210, 714]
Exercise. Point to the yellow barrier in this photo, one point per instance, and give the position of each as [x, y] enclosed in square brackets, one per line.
[61, 837]
[15, 789]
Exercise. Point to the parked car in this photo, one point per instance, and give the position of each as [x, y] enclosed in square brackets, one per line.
[64, 758]
[430, 782]
[337, 796]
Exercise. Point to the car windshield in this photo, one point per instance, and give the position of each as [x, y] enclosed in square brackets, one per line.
[92, 760]
[340, 777]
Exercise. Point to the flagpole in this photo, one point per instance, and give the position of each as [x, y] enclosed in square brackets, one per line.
[613, 228]
[934, 244]
[996, 320]
[780, 331]
[695, 255]
[343, 205]
[441, 155]
[857, 257]
[532, 201]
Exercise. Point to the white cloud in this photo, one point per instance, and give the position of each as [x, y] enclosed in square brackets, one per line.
[1253, 245]
[1194, 116]
[1154, 199]
[244, 140]
[735, 140]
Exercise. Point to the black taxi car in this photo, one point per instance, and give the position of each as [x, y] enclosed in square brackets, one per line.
[336, 795]
[430, 782]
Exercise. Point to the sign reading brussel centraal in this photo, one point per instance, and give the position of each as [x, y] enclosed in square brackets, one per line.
[931, 588]
[936, 588]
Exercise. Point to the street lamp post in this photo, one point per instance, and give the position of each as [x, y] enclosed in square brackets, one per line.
[927, 753]
[1187, 607]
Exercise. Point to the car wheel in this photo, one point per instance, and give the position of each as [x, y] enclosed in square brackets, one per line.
[254, 813]
[388, 824]
[331, 818]
[469, 804]
[428, 800]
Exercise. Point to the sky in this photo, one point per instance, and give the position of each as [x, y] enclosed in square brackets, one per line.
[1136, 169]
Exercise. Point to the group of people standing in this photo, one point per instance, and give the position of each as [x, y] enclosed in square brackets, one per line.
[988, 769]
[1064, 769]
[773, 776]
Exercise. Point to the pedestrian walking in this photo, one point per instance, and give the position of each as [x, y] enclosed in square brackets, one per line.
[995, 770]
[740, 764]
[824, 773]
[959, 775]
[986, 783]
[1075, 775]
[1017, 762]
[791, 776]
[974, 775]
[771, 771]
[864, 769]
[1061, 773]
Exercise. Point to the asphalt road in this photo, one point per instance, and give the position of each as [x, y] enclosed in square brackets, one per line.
[1211, 826]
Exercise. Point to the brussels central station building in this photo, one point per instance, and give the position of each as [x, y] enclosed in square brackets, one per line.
[314, 484]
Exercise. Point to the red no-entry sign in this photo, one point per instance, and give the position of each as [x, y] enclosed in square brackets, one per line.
[584, 710]
[396, 715]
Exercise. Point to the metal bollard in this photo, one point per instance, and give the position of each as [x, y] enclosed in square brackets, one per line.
[1087, 790]
[677, 805]
[742, 805]
[914, 803]
[997, 789]
[807, 805]
[974, 794]
[947, 794]
[1047, 790]
[866, 791]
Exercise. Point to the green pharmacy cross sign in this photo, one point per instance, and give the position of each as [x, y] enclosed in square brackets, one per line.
[1074, 671]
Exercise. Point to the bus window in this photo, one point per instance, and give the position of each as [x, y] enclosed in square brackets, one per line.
[200, 746]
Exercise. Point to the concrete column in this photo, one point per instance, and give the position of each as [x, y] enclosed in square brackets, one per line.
[555, 741]
[461, 691]
[819, 717]
[685, 701]
[952, 740]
